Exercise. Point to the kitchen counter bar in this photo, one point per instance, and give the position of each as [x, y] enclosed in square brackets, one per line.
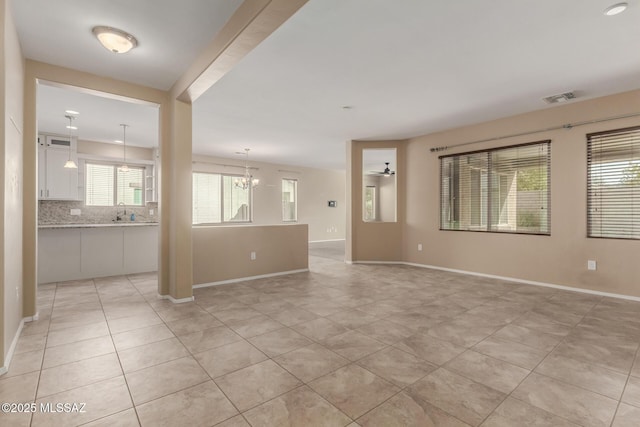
[114, 224]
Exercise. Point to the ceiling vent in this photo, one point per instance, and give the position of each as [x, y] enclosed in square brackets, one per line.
[556, 99]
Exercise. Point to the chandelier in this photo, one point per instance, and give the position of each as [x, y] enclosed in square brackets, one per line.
[247, 180]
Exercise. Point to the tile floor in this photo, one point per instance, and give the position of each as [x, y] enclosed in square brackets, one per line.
[340, 346]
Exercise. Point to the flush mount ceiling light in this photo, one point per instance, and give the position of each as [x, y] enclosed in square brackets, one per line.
[115, 40]
[561, 97]
[616, 9]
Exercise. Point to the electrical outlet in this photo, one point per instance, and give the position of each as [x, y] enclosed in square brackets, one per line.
[253, 256]
[75, 212]
[151, 211]
[591, 265]
[420, 246]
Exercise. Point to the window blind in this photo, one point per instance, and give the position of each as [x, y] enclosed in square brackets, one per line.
[499, 190]
[613, 184]
[99, 186]
[206, 198]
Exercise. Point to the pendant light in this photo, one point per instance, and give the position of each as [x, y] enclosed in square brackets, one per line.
[70, 164]
[124, 167]
[247, 180]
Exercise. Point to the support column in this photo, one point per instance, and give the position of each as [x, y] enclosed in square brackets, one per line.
[176, 276]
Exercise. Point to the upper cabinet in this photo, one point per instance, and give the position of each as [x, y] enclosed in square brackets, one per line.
[55, 182]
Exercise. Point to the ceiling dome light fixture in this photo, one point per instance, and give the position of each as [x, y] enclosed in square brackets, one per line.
[115, 40]
[616, 9]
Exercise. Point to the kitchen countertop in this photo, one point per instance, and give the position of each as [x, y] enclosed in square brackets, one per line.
[113, 224]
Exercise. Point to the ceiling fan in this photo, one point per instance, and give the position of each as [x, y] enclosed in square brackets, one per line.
[386, 171]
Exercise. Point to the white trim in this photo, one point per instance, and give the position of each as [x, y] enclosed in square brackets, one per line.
[377, 262]
[176, 301]
[114, 160]
[242, 279]
[32, 318]
[329, 240]
[527, 282]
[12, 348]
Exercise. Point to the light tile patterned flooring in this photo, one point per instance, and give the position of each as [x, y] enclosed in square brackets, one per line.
[340, 346]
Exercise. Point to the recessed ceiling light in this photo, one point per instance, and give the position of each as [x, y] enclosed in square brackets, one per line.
[72, 127]
[115, 40]
[75, 113]
[616, 9]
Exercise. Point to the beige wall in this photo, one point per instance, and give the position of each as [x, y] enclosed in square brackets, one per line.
[559, 259]
[223, 253]
[374, 241]
[12, 70]
[315, 188]
[114, 151]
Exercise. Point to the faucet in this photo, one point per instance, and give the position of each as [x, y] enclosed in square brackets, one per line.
[124, 211]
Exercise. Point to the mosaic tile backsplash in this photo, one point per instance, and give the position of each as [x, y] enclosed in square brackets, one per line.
[54, 212]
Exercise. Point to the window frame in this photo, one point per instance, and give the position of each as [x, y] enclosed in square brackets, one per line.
[222, 205]
[589, 178]
[488, 227]
[295, 199]
[115, 167]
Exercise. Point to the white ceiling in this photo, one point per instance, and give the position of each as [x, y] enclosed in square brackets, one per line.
[99, 119]
[170, 34]
[406, 67]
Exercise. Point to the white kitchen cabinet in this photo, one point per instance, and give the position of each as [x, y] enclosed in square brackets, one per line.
[55, 182]
[85, 252]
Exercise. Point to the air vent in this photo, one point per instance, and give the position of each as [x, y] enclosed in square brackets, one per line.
[563, 97]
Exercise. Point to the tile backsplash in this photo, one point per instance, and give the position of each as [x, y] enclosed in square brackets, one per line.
[52, 212]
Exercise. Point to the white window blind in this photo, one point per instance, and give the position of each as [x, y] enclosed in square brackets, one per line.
[613, 184]
[206, 198]
[216, 199]
[289, 200]
[100, 189]
[107, 185]
[500, 190]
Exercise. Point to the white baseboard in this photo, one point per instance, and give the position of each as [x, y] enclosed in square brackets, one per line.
[330, 240]
[12, 348]
[525, 282]
[243, 279]
[176, 300]
[32, 318]
[377, 262]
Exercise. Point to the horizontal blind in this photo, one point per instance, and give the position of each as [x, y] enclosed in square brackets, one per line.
[499, 190]
[99, 185]
[207, 205]
[613, 184]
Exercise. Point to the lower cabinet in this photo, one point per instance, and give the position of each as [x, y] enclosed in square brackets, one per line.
[83, 253]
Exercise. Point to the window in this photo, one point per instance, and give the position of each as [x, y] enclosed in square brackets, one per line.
[500, 190]
[613, 184]
[370, 203]
[216, 199]
[289, 198]
[107, 185]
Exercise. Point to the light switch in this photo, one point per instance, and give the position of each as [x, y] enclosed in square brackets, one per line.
[591, 265]
[75, 212]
